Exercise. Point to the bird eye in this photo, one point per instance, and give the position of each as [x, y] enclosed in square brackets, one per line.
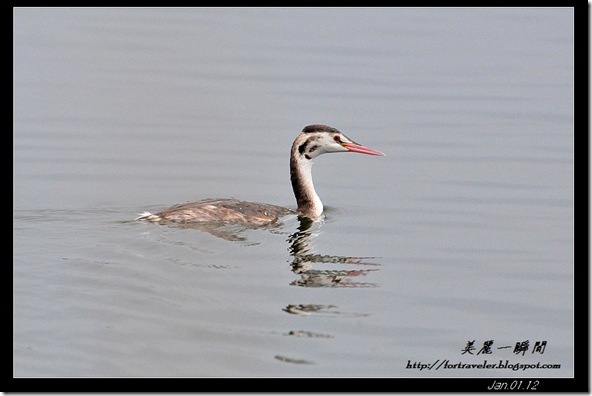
[337, 138]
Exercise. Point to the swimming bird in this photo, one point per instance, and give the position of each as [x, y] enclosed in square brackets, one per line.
[313, 141]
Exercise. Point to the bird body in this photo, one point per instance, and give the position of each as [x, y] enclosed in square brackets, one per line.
[313, 141]
[220, 210]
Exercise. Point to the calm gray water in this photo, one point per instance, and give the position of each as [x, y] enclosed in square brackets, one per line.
[461, 236]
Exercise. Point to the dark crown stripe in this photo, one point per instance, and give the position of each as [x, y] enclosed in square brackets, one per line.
[319, 128]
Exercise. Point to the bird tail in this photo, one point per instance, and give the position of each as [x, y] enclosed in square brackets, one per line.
[148, 216]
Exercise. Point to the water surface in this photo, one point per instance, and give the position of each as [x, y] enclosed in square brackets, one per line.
[463, 232]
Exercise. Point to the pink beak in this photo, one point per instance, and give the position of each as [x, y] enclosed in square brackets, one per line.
[358, 148]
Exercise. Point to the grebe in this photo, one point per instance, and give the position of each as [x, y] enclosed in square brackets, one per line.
[313, 141]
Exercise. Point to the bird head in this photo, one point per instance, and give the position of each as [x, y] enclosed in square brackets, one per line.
[317, 139]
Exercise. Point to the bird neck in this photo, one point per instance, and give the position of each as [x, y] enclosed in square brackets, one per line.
[309, 203]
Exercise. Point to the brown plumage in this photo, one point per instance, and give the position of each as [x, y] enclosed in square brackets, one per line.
[216, 210]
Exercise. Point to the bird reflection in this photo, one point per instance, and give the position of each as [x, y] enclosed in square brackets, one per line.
[304, 261]
[321, 270]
